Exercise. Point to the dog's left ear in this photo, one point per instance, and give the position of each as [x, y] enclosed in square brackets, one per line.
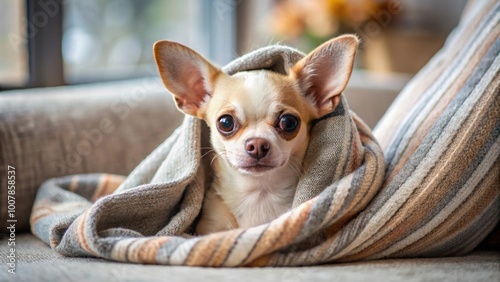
[186, 74]
[323, 74]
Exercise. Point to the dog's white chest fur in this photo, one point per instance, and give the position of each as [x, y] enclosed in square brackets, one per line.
[256, 200]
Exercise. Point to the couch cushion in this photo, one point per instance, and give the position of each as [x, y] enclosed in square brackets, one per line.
[37, 262]
[108, 127]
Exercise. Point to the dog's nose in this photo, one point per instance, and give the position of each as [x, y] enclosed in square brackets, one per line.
[257, 148]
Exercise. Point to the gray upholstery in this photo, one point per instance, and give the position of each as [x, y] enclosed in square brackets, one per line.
[53, 132]
[37, 262]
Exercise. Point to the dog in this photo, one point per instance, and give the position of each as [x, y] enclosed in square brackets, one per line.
[259, 124]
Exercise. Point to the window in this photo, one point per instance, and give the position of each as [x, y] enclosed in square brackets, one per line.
[100, 40]
[113, 38]
[13, 54]
[45, 43]
[389, 29]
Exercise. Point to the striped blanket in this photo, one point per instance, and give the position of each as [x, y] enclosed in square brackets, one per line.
[436, 193]
[148, 218]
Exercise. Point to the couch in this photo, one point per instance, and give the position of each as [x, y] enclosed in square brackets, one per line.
[52, 132]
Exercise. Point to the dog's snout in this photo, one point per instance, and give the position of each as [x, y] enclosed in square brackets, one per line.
[257, 148]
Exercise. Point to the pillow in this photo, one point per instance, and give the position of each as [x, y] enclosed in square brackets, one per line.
[441, 142]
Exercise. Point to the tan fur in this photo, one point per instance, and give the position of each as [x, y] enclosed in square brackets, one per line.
[249, 191]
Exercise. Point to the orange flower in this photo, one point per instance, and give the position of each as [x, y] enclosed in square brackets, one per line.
[321, 18]
[288, 19]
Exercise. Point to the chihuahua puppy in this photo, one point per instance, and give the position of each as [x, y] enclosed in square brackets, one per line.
[259, 125]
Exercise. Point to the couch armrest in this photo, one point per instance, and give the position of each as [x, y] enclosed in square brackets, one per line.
[51, 132]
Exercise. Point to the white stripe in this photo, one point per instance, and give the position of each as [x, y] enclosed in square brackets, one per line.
[119, 251]
[244, 245]
[180, 254]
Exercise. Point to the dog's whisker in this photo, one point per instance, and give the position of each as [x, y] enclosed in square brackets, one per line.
[294, 163]
[217, 155]
[213, 159]
[208, 152]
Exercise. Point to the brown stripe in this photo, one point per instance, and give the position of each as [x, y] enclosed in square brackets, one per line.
[146, 252]
[354, 154]
[74, 183]
[80, 233]
[261, 261]
[107, 185]
[41, 209]
[203, 250]
[224, 249]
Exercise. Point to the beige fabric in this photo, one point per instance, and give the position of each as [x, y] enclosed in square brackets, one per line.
[52, 132]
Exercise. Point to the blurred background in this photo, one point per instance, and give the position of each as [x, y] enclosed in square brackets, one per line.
[56, 42]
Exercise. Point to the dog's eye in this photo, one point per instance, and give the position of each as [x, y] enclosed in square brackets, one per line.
[288, 123]
[226, 124]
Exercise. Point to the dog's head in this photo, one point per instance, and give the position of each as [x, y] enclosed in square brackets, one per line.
[259, 119]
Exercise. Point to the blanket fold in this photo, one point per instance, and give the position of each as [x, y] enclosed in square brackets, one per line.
[342, 209]
[148, 217]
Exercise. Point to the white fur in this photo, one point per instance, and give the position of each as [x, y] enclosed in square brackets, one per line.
[253, 198]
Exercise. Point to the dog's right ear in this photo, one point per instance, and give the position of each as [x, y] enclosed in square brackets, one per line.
[186, 74]
[323, 74]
